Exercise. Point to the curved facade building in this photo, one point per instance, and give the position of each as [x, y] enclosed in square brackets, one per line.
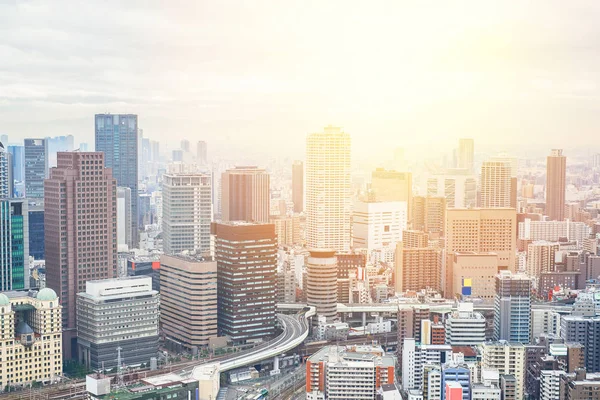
[321, 285]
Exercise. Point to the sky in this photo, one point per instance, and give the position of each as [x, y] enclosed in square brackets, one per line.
[254, 77]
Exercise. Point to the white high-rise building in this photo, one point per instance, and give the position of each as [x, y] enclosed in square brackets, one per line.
[378, 225]
[544, 321]
[550, 384]
[507, 358]
[458, 187]
[124, 239]
[464, 327]
[552, 231]
[495, 184]
[328, 201]
[415, 356]
[187, 211]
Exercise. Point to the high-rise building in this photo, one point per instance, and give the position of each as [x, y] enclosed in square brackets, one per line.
[328, 202]
[512, 308]
[246, 255]
[466, 151]
[417, 268]
[495, 188]
[117, 137]
[579, 385]
[479, 271]
[117, 313]
[584, 328]
[188, 303]
[5, 173]
[513, 163]
[350, 372]
[378, 225]
[187, 212]
[553, 231]
[298, 186]
[415, 356]
[393, 186]
[287, 229]
[465, 327]
[36, 167]
[124, 217]
[458, 187]
[37, 247]
[18, 161]
[202, 152]
[556, 172]
[541, 257]
[321, 282]
[80, 211]
[245, 194]
[31, 338]
[185, 145]
[14, 244]
[429, 214]
[415, 239]
[508, 358]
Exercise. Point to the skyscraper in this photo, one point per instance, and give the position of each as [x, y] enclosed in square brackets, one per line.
[512, 308]
[124, 216]
[556, 170]
[466, 149]
[202, 153]
[117, 138]
[18, 162]
[378, 224]
[80, 230]
[321, 285]
[429, 215]
[298, 186]
[36, 167]
[4, 173]
[187, 212]
[245, 194]
[246, 255]
[14, 244]
[495, 185]
[328, 190]
[393, 186]
[513, 163]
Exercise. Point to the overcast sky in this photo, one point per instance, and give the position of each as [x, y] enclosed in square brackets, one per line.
[258, 76]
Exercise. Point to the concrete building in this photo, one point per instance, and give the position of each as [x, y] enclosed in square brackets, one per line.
[580, 385]
[556, 170]
[202, 152]
[415, 356]
[328, 202]
[246, 255]
[117, 314]
[417, 268]
[389, 185]
[466, 151]
[480, 269]
[495, 188]
[512, 308]
[298, 186]
[36, 167]
[486, 392]
[544, 321]
[509, 359]
[584, 328]
[31, 339]
[415, 239]
[348, 372]
[80, 230]
[378, 225]
[429, 215]
[116, 135]
[124, 216]
[454, 377]
[321, 282]
[465, 327]
[14, 244]
[287, 229]
[187, 212]
[550, 384]
[188, 307]
[458, 187]
[245, 194]
[145, 266]
[553, 231]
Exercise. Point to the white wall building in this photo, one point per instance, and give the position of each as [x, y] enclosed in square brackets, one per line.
[415, 356]
[553, 230]
[377, 225]
[544, 321]
[465, 327]
[550, 385]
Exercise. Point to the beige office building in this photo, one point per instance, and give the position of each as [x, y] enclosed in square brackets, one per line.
[417, 268]
[389, 185]
[556, 171]
[429, 215]
[188, 307]
[287, 229]
[495, 188]
[480, 268]
[541, 257]
[415, 239]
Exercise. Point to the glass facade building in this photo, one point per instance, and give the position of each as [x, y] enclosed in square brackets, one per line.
[36, 167]
[14, 245]
[36, 233]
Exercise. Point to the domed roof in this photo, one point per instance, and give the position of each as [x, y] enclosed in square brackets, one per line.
[23, 329]
[4, 300]
[46, 294]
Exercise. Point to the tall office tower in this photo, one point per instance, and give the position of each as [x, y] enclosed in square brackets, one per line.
[556, 171]
[417, 268]
[378, 225]
[328, 203]
[393, 186]
[187, 212]
[246, 256]
[18, 161]
[298, 186]
[155, 150]
[245, 194]
[36, 167]
[512, 308]
[185, 145]
[202, 152]
[541, 257]
[321, 282]
[32, 337]
[508, 358]
[37, 247]
[429, 215]
[465, 327]
[481, 230]
[80, 210]
[5, 175]
[124, 217]
[117, 313]
[513, 163]
[188, 303]
[466, 151]
[495, 188]
[14, 244]
[117, 138]
[349, 372]
[474, 276]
